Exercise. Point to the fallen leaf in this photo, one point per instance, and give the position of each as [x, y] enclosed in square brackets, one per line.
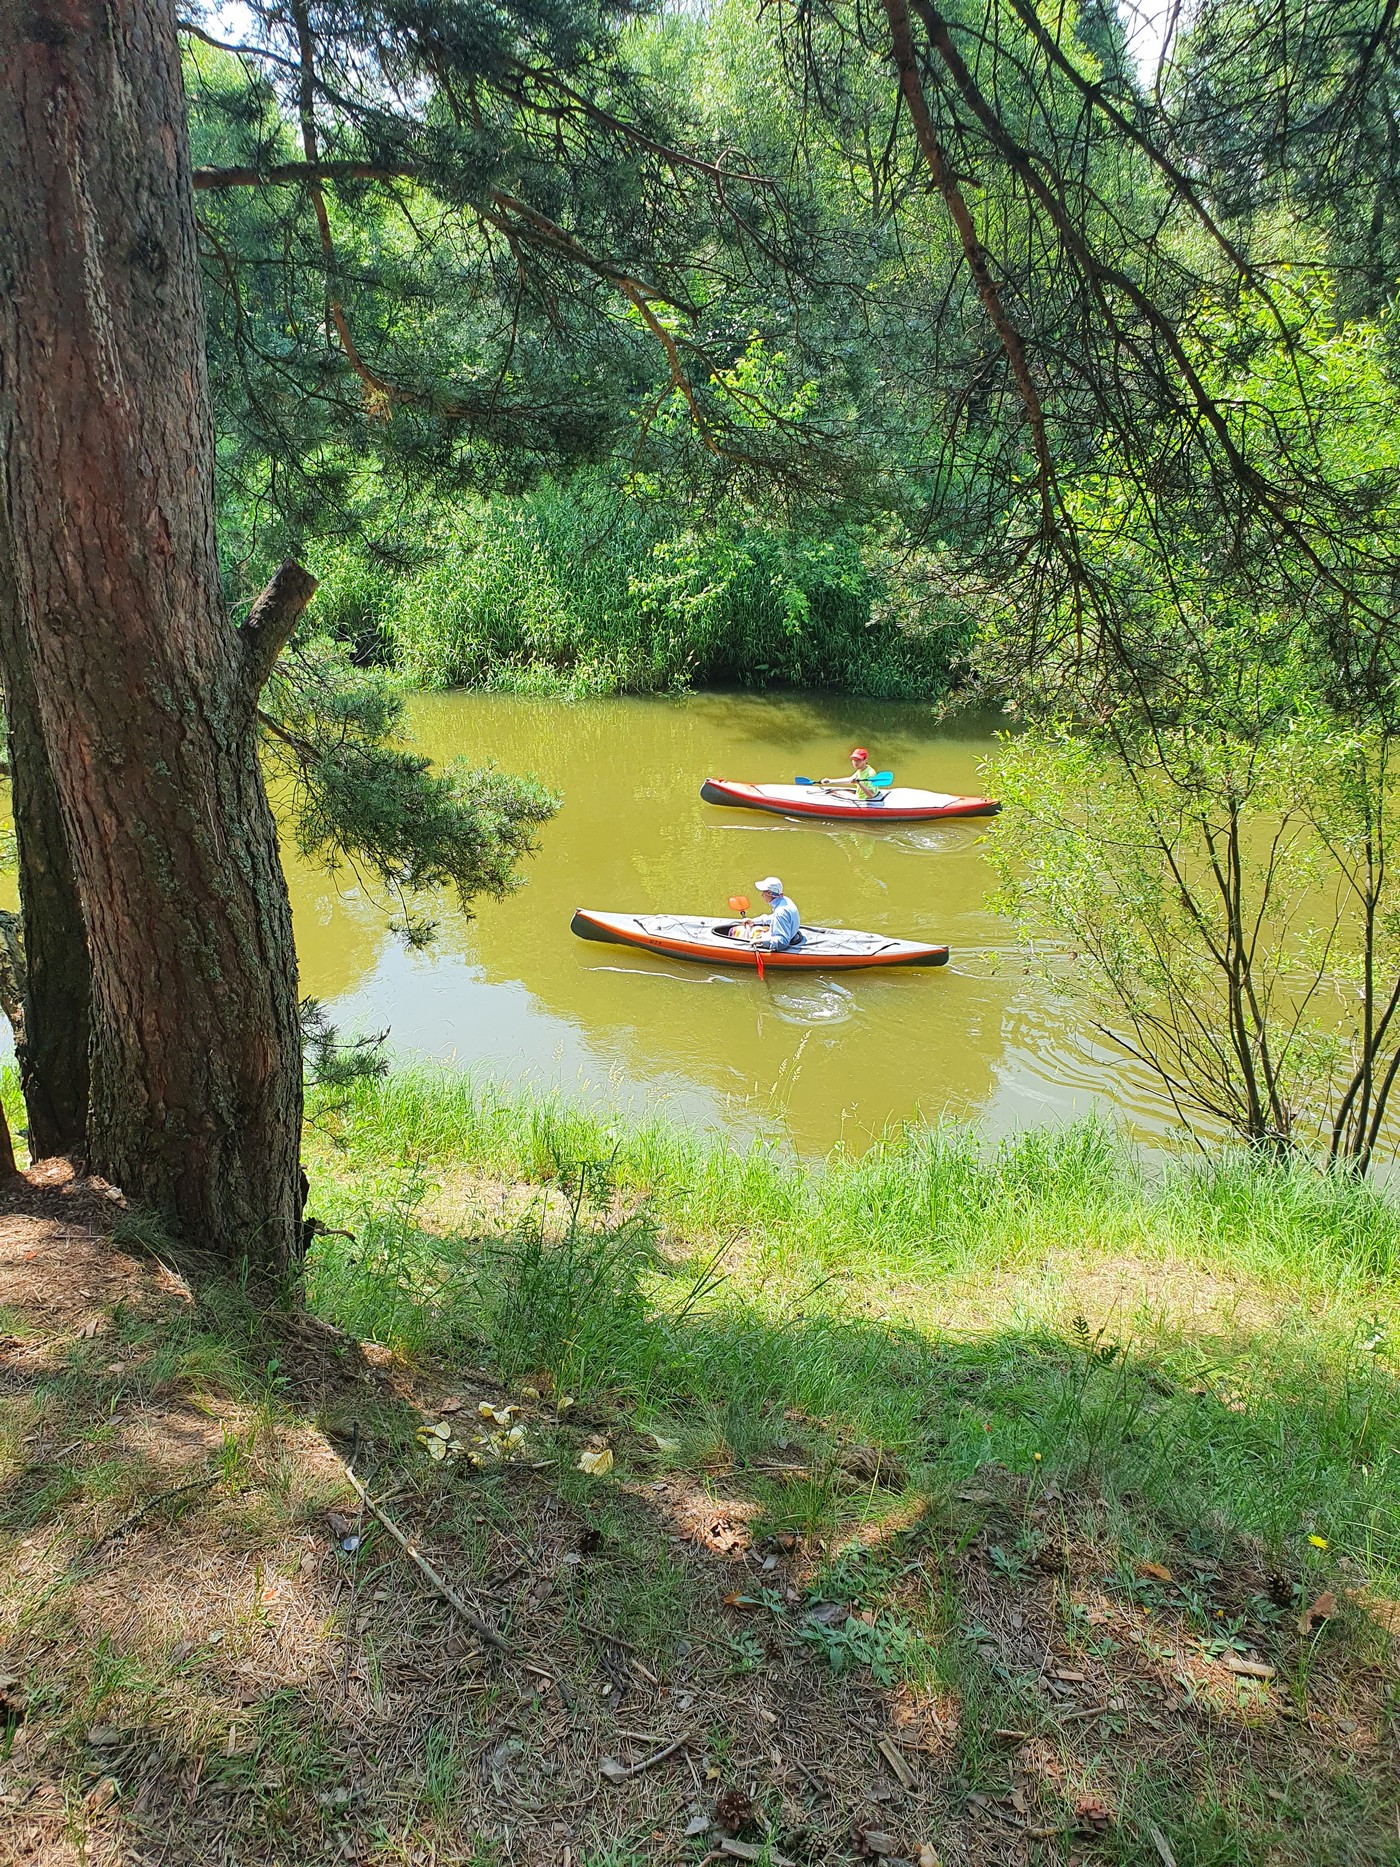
[697, 1825]
[928, 1855]
[596, 1464]
[829, 1614]
[876, 1841]
[453, 1404]
[1069, 1675]
[1089, 1812]
[614, 1771]
[1381, 1608]
[1158, 1571]
[103, 1736]
[1247, 1669]
[665, 1445]
[1321, 1610]
[101, 1796]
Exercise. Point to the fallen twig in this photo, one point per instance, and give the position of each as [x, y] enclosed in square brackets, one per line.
[622, 1772]
[481, 1628]
[162, 1497]
[892, 1757]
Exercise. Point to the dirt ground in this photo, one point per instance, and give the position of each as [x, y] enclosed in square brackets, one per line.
[212, 1651]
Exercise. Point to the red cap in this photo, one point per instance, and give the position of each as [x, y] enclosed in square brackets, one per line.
[860, 752]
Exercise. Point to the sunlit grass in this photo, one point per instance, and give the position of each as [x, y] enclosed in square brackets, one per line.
[1207, 1348]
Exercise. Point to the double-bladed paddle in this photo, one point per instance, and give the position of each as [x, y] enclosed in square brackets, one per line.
[876, 777]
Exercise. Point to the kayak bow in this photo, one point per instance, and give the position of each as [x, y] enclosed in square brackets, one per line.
[710, 940]
[899, 805]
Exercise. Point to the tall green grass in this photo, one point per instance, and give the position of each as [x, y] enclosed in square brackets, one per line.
[935, 1199]
[563, 591]
[925, 1298]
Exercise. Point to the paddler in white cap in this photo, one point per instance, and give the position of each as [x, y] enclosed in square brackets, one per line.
[781, 926]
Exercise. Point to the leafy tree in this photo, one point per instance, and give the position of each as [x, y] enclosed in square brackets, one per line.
[1216, 836]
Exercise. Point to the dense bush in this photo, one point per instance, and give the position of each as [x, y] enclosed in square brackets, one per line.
[559, 592]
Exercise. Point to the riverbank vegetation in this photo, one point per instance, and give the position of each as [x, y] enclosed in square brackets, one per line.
[920, 1507]
[575, 592]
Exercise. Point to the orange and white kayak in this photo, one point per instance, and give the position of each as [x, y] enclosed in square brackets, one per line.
[897, 805]
[712, 941]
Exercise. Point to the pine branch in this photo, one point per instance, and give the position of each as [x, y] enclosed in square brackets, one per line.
[269, 623]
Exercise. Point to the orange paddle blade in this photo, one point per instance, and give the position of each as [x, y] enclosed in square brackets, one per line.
[739, 904]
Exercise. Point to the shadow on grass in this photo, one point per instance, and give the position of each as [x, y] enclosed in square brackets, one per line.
[828, 1566]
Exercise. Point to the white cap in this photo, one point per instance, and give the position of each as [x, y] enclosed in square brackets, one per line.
[770, 885]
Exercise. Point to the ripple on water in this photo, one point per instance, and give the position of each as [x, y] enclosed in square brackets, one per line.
[813, 1004]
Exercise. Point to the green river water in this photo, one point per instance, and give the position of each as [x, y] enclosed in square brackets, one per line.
[811, 1059]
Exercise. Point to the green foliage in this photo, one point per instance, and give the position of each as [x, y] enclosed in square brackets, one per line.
[1203, 818]
[568, 1303]
[582, 590]
[359, 798]
[333, 1062]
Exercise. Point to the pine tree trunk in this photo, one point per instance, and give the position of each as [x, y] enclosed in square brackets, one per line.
[51, 1046]
[146, 695]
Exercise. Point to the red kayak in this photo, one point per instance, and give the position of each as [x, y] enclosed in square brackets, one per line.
[896, 805]
[699, 937]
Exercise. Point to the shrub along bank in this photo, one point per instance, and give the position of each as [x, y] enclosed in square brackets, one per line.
[556, 593]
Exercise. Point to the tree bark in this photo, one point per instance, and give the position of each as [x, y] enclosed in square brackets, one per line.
[51, 1040]
[146, 695]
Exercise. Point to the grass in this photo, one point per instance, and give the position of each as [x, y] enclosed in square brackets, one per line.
[1211, 1350]
[988, 1506]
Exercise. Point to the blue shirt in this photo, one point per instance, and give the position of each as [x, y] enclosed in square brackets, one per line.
[784, 923]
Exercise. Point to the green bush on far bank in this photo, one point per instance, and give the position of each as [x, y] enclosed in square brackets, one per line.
[556, 592]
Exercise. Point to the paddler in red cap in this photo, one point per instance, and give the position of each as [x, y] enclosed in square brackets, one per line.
[861, 782]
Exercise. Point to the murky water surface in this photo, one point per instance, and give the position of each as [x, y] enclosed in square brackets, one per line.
[814, 1058]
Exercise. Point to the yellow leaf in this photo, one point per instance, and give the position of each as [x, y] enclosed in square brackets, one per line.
[596, 1464]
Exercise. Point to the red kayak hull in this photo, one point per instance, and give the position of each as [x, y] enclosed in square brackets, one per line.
[897, 806]
[703, 938]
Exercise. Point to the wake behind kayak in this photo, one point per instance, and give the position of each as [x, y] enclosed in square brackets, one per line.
[710, 940]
